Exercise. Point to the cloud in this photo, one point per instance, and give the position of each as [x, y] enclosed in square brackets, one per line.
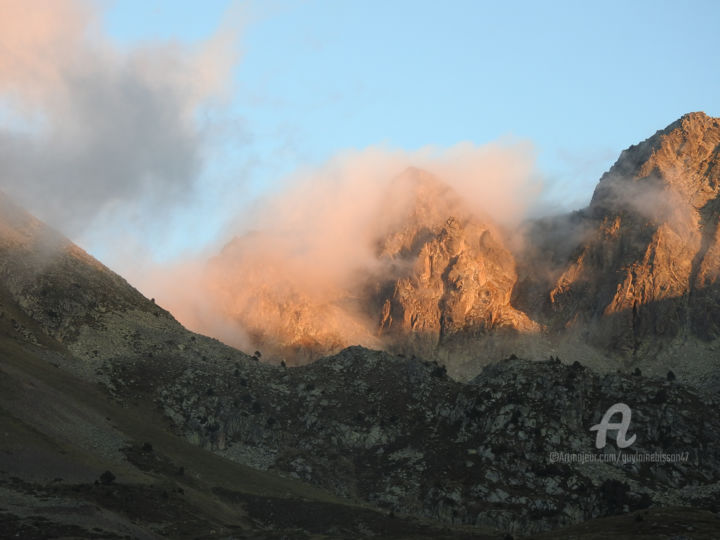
[331, 215]
[110, 144]
[111, 131]
[295, 272]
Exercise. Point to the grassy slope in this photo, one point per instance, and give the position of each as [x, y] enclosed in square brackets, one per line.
[58, 434]
[652, 524]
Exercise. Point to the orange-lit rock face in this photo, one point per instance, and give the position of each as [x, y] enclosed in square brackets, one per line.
[461, 279]
[281, 307]
[436, 271]
[641, 262]
[651, 259]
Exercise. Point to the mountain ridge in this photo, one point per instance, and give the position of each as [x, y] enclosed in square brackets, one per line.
[199, 439]
[632, 276]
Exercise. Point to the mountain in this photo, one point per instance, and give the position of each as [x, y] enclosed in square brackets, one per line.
[439, 277]
[80, 457]
[629, 281]
[639, 282]
[656, 214]
[115, 421]
[458, 277]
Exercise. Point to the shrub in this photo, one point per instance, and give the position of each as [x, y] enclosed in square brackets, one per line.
[107, 478]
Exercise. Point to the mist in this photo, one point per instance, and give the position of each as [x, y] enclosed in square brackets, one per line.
[99, 139]
[293, 268]
[110, 145]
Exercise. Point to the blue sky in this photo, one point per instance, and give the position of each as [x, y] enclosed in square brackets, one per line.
[96, 118]
[581, 80]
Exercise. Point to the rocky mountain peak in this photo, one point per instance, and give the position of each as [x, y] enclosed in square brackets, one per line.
[420, 204]
[682, 158]
[456, 278]
[639, 268]
[646, 271]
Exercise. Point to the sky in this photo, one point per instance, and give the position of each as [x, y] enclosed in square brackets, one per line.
[237, 97]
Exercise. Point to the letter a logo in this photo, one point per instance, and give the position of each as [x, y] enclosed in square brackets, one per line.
[622, 427]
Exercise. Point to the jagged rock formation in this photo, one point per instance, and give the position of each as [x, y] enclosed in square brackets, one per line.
[644, 269]
[399, 433]
[459, 276]
[281, 314]
[78, 462]
[440, 277]
[628, 280]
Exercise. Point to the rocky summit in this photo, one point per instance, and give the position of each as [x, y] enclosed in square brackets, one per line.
[631, 280]
[643, 277]
[483, 409]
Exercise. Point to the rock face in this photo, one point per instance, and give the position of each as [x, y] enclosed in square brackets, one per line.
[458, 277]
[273, 303]
[630, 278]
[440, 276]
[402, 435]
[647, 269]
